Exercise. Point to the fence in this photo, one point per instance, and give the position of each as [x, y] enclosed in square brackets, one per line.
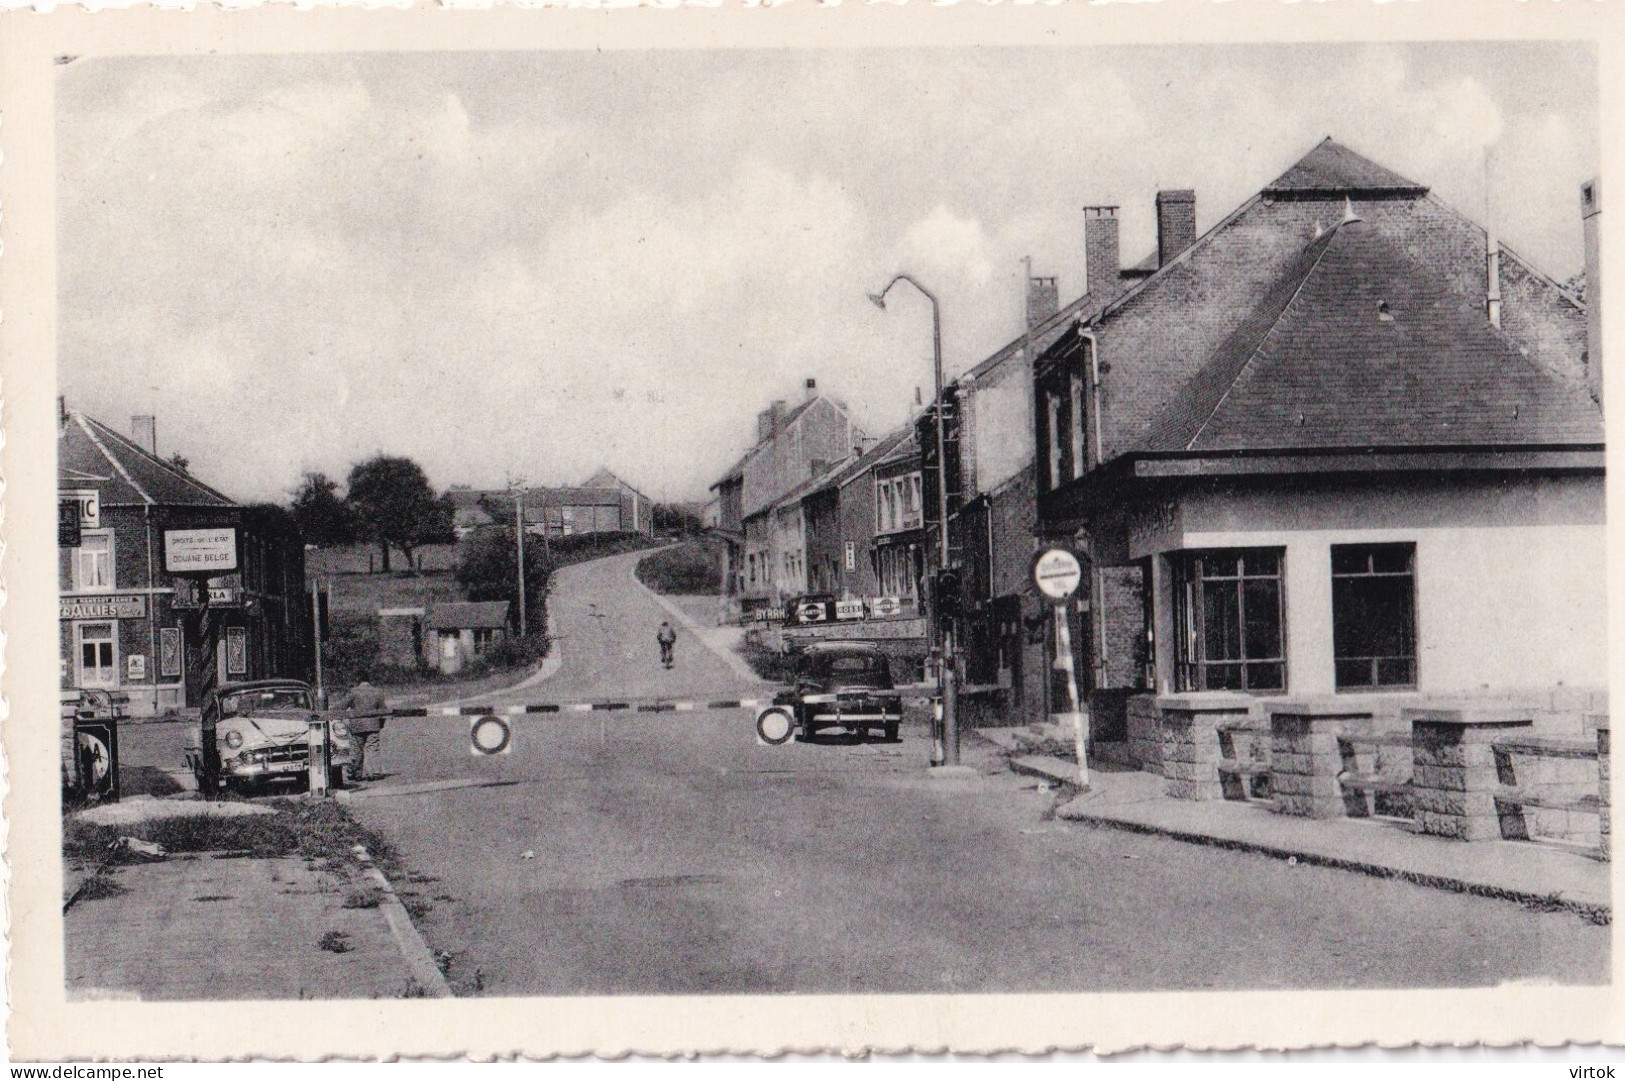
[1473, 772]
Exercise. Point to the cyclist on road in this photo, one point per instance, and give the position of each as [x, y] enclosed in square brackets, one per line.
[667, 637]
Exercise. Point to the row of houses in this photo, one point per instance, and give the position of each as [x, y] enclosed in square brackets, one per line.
[603, 503]
[1343, 443]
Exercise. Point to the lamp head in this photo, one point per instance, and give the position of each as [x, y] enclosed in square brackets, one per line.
[878, 300]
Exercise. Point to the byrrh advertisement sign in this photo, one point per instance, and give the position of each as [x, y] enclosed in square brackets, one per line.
[200, 551]
[104, 606]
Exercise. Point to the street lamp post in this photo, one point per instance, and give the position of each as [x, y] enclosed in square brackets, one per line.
[945, 672]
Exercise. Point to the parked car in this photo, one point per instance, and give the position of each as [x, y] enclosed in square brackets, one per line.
[262, 730]
[838, 685]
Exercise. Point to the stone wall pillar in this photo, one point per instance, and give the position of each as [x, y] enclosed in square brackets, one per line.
[1604, 773]
[1305, 758]
[1455, 779]
[1190, 740]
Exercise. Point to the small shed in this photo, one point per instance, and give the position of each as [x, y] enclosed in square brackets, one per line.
[459, 631]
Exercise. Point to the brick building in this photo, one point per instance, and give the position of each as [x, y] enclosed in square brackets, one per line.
[119, 628]
[861, 535]
[1336, 447]
[764, 558]
[602, 504]
[992, 512]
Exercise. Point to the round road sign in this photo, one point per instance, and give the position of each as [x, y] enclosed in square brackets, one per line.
[489, 735]
[775, 725]
[1057, 574]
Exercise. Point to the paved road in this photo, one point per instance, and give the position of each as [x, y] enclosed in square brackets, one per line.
[673, 853]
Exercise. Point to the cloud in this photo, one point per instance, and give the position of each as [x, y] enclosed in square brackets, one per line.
[549, 262]
[946, 244]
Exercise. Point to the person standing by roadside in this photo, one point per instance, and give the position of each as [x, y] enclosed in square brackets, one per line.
[366, 706]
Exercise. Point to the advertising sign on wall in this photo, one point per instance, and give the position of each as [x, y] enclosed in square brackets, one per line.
[169, 651]
[200, 551]
[104, 606]
[236, 651]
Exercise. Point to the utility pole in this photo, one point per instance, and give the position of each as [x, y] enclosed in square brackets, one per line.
[316, 629]
[519, 539]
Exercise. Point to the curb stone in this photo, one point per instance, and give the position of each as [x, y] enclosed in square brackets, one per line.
[1596, 913]
[420, 963]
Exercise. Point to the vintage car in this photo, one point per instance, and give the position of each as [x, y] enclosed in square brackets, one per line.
[262, 730]
[838, 685]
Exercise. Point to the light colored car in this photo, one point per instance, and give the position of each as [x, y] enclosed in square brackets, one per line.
[262, 731]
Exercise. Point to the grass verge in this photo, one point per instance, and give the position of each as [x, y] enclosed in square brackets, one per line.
[691, 568]
[316, 830]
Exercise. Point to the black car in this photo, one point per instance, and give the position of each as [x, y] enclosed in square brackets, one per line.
[838, 685]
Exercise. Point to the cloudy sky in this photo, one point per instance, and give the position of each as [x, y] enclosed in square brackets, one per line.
[546, 262]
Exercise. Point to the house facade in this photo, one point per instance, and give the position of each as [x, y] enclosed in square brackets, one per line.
[122, 624]
[1340, 446]
[765, 556]
[458, 632]
[1002, 631]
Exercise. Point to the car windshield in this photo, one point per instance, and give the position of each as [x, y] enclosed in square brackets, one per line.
[267, 698]
[863, 668]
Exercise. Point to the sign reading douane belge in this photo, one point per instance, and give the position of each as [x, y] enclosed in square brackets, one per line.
[200, 551]
[104, 606]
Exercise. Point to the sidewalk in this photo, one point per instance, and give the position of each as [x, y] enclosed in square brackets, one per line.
[228, 925]
[1530, 873]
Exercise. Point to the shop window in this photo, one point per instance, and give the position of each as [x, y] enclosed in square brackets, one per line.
[1229, 620]
[98, 665]
[93, 562]
[1374, 615]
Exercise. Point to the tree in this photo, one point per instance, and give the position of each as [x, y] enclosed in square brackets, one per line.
[486, 560]
[179, 461]
[394, 505]
[676, 518]
[323, 515]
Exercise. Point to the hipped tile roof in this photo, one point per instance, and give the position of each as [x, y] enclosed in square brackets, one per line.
[1332, 170]
[1358, 345]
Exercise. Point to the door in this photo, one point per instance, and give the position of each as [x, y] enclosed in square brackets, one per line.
[98, 655]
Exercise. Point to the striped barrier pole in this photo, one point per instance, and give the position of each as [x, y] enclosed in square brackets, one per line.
[629, 706]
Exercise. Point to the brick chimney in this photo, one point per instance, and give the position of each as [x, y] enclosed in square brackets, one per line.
[764, 425]
[144, 431]
[1591, 222]
[811, 390]
[1102, 264]
[1176, 223]
[1043, 300]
